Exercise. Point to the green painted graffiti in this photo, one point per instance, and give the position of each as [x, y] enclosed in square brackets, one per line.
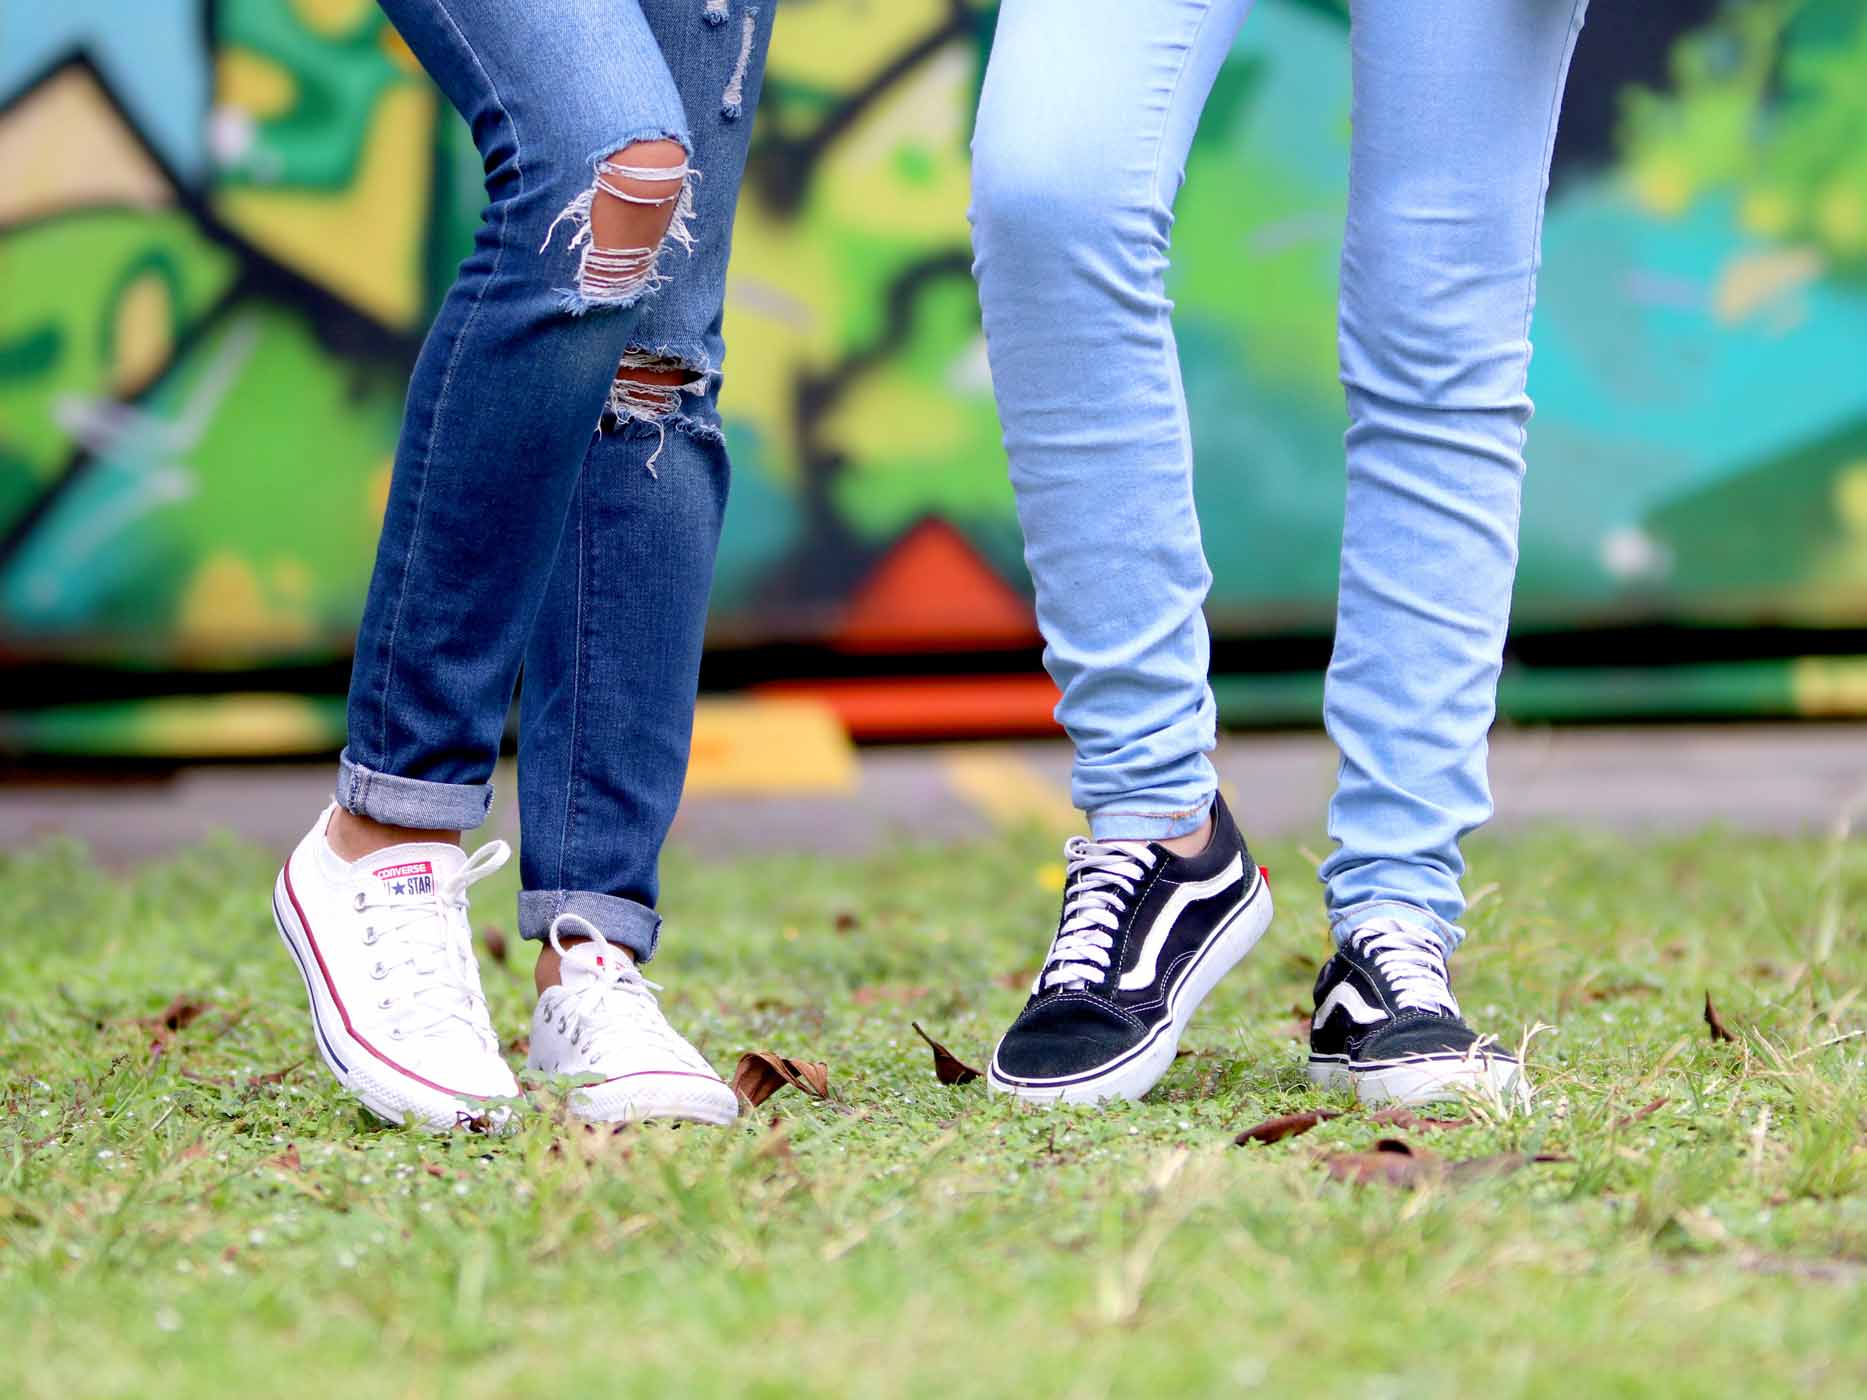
[212, 309]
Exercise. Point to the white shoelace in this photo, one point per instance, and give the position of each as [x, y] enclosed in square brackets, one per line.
[615, 1012]
[1413, 963]
[432, 938]
[1099, 880]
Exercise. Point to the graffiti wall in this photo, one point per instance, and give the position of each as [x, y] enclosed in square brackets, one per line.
[225, 224]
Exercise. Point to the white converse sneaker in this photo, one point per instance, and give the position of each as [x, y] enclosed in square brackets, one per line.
[387, 956]
[603, 1019]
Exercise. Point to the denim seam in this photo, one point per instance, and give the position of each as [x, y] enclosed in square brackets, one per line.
[576, 692]
[1174, 374]
[1542, 209]
[1127, 812]
[447, 378]
[1160, 137]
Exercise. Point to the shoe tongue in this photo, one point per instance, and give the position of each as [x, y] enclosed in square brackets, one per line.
[1131, 845]
[408, 874]
[584, 963]
[1389, 927]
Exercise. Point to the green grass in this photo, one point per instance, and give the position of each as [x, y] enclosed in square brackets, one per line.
[184, 1224]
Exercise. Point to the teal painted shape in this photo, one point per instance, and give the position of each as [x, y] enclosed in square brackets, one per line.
[1671, 355]
[149, 51]
[762, 525]
[317, 143]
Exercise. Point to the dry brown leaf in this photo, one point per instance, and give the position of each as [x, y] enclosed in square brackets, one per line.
[519, 1045]
[179, 1014]
[287, 1161]
[846, 922]
[1289, 1125]
[1715, 1021]
[1640, 1113]
[1402, 1119]
[275, 1076]
[435, 1169]
[494, 938]
[1393, 1162]
[1299, 1027]
[948, 1067]
[762, 1073]
[1015, 981]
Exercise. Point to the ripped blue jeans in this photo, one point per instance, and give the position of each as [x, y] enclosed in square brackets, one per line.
[547, 512]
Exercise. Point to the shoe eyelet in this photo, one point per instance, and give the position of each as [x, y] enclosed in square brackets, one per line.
[563, 1025]
[358, 903]
[379, 972]
[396, 1034]
[369, 938]
[384, 1004]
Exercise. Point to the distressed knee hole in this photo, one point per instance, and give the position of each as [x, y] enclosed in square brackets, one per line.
[640, 201]
[650, 388]
[732, 101]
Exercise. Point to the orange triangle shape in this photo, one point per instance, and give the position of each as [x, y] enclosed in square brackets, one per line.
[932, 592]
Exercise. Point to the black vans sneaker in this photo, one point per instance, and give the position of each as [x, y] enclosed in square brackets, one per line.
[1143, 936]
[1387, 1023]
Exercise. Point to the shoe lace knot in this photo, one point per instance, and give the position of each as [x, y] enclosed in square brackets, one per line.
[432, 937]
[1412, 961]
[1100, 880]
[614, 1009]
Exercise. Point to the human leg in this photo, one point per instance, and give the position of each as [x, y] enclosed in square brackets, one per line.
[508, 388]
[1084, 127]
[1454, 124]
[606, 707]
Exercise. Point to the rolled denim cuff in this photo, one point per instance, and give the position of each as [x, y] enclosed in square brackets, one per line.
[622, 921]
[1122, 823]
[1343, 922]
[411, 802]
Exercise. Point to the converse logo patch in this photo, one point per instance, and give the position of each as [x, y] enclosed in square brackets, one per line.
[401, 881]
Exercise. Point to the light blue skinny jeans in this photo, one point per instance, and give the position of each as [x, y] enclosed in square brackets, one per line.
[1088, 111]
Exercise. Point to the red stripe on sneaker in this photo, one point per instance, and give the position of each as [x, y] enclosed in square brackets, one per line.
[343, 1011]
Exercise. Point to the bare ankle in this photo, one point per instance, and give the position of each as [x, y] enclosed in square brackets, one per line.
[1192, 843]
[550, 969]
[352, 837]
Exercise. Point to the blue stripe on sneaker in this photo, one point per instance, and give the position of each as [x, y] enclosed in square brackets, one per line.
[317, 1026]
